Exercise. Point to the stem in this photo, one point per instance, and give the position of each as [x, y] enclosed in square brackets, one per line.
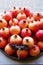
[15, 36]
[32, 21]
[21, 12]
[3, 28]
[20, 8]
[24, 8]
[27, 40]
[14, 7]
[1, 21]
[26, 30]
[24, 21]
[4, 11]
[38, 14]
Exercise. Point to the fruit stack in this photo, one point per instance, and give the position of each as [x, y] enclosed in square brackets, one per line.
[20, 26]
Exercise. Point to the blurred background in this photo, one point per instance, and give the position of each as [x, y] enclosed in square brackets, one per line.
[34, 5]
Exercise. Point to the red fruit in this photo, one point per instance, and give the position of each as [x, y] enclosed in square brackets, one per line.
[15, 29]
[25, 32]
[7, 16]
[21, 16]
[28, 41]
[35, 51]
[35, 39]
[8, 40]
[8, 49]
[4, 32]
[13, 22]
[40, 45]
[2, 42]
[30, 19]
[15, 39]
[14, 12]
[33, 26]
[23, 23]
[37, 16]
[22, 53]
[39, 34]
[3, 23]
[41, 23]
[28, 12]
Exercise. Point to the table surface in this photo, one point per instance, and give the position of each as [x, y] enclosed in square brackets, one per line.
[34, 5]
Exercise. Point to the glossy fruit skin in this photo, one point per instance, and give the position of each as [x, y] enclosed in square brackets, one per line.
[15, 39]
[41, 23]
[4, 32]
[13, 22]
[28, 41]
[28, 12]
[34, 51]
[37, 16]
[30, 19]
[14, 12]
[3, 23]
[40, 45]
[15, 29]
[23, 23]
[22, 53]
[2, 42]
[25, 32]
[7, 16]
[34, 26]
[8, 49]
[39, 34]
[21, 16]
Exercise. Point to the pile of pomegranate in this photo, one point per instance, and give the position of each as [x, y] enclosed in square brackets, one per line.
[20, 26]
